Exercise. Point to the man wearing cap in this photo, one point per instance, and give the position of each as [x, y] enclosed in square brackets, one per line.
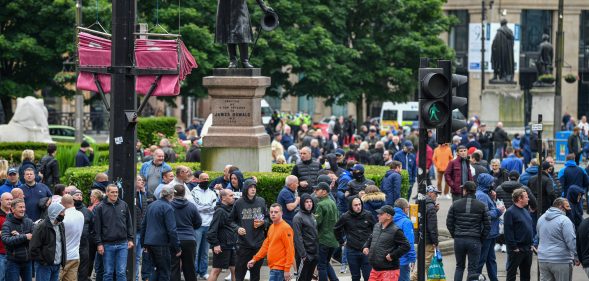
[385, 246]
[277, 148]
[74, 226]
[548, 192]
[250, 220]
[48, 245]
[458, 172]
[372, 138]
[326, 216]
[159, 236]
[193, 153]
[407, 159]
[431, 214]
[468, 223]
[306, 171]
[358, 182]
[83, 160]
[11, 181]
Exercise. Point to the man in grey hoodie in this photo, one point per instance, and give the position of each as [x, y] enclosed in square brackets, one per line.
[557, 243]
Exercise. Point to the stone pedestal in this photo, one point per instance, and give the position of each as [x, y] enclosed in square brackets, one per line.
[505, 103]
[543, 103]
[237, 136]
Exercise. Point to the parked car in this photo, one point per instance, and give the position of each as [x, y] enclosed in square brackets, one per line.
[323, 125]
[60, 133]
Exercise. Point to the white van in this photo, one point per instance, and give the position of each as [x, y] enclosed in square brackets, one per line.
[266, 112]
[398, 115]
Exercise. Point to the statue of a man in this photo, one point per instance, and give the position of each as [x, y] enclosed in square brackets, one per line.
[234, 29]
[502, 54]
[544, 62]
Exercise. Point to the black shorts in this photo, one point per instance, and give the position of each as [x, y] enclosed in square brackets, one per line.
[224, 260]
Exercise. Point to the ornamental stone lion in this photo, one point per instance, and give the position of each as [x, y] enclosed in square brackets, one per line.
[29, 122]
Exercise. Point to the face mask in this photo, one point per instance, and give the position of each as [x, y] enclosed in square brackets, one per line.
[358, 176]
[59, 218]
[327, 166]
[204, 184]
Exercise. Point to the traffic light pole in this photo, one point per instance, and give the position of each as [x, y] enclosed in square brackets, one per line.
[421, 181]
[539, 179]
[123, 104]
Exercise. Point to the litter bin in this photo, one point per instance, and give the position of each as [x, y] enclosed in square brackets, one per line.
[561, 147]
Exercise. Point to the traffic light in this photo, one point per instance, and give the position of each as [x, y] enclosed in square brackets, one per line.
[445, 131]
[434, 88]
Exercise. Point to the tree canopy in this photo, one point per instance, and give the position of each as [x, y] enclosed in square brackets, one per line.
[340, 49]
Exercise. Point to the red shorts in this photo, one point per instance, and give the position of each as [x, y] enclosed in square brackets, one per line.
[384, 275]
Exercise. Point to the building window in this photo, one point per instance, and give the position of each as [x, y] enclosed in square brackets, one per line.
[584, 42]
[534, 24]
[306, 104]
[458, 36]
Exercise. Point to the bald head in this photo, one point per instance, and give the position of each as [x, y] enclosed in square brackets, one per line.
[6, 201]
[17, 193]
[67, 201]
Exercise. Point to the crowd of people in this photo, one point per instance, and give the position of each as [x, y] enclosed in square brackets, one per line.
[326, 209]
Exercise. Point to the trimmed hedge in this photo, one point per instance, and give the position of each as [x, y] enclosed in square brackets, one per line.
[147, 129]
[12, 151]
[269, 183]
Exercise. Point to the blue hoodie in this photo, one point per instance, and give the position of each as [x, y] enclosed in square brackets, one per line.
[484, 182]
[530, 172]
[391, 186]
[576, 214]
[570, 175]
[403, 222]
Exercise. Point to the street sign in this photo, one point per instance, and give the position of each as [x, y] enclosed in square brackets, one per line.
[536, 127]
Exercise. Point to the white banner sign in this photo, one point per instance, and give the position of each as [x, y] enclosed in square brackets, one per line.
[474, 45]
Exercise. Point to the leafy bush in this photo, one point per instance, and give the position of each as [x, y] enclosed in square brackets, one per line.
[147, 128]
[269, 183]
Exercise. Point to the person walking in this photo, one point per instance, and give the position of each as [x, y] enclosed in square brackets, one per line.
[442, 157]
[250, 220]
[458, 173]
[583, 244]
[305, 238]
[48, 244]
[159, 235]
[484, 194]
[356, 225]
[278, 246]
[575, 144]
[74, 226]
[49, 167]
[187, 220]
[113, 237]
[402, 220]
[306, 171]
[206, 200]
[17, 231]
[327, 216]
[385, 246]
[222, 237]
[469, 225]
[518, 236]
[557, 247]
[391, 183]
[431, 213]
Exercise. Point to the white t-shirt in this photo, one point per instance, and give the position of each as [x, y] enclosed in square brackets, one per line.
[73, 223]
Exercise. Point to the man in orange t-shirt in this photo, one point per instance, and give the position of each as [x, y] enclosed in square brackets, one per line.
[442, 156]
[279, 246]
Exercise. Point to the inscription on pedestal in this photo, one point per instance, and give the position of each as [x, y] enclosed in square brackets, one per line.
[232, 112]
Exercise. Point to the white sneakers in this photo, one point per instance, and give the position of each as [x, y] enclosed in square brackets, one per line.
[504, 248]
[228, 278]
[497, 247]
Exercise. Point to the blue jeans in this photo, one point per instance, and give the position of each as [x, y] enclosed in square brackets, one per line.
[405, 272]
[488, 258]
[115, 260]
[16, 270]
[99, 267]
[358, 263]
[138, 252]
[276, 275]
[202, 251]
[47, 272]
[324, 265]
[2, 267]
[464, 247]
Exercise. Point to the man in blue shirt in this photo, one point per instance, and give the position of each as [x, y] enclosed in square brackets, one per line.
[511, 162]
[407, 159]
[34, 192]
[288, 199]
[11, 181]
